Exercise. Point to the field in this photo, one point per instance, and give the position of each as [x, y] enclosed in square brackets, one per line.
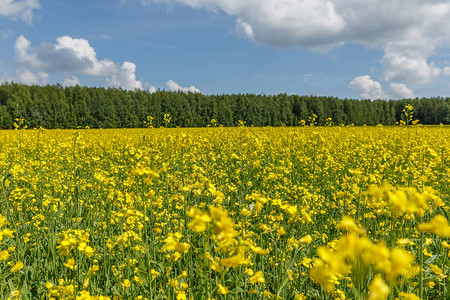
[225, 213]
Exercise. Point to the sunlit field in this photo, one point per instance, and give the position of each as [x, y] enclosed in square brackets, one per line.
[225, 213]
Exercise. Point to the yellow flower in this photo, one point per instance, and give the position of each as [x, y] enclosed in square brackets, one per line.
[257, 278]
[85, 249]
[92, 270]
[215, 266]
[175, 256]
[181, 295]
[49, 285]
[86, 282]
[401, 265]
[348, 224]
[224, 228]
[154, 273]
[428, 242]
[435, 269]
[138, 280]
[340, 294]
[237, 260]
[200, 220]
[173, 283]
[426, 253]
[71, 264]
[265, 228]
[379, 290]
[173, 245]
[259, 250]
[183, 274]
[17, 267]
[126, 283]
[438, 225]
[306, 217]
[222, 290]
[289, 274]
[4, 255]
[15, 294]
[306, 262]
[445, 244]
[249, 272]
[408, 296]
[307, 239]
[293, 211]
[7, 233]
[245, 212]
[403, 242]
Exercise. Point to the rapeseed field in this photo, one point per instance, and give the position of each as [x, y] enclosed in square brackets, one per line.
[225, 213]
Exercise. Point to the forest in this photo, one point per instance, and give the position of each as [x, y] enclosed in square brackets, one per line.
[55, 106]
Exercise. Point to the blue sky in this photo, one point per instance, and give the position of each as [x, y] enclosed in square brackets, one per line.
[345, 48]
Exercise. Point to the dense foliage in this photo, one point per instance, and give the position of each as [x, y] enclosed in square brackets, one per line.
[225, 213]
[57, 107]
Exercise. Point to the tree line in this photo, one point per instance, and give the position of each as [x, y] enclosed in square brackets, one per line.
[54, 106]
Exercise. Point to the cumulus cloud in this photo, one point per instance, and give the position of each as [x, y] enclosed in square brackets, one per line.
[371, 89]
[30, 78]
[404, 65]
[22, 10]
[446, 71]
[175, 87]
[401, 91]
[409, 31]
[152, 90]
[71, 80]
[367, 88]
[70, 55]
[126, 77]
[311, 23]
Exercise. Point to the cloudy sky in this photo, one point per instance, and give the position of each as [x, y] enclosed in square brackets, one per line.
[345, 48]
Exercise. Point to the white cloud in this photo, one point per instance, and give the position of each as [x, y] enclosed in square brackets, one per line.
[400, 91]
[244, 29]
[446, 71]
[22, 10]
[23, 58]
[71, 80]
[70, 55]
[310, 23]
[408, 65]
[367, 88]
[30, 78]
[409, 31]
[152, 90]
[371, 89]
[126, 77]
[175, 87]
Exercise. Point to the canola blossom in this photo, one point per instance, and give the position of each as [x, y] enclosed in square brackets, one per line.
[225, 213]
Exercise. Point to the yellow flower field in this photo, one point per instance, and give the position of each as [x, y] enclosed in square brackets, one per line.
[225, 213]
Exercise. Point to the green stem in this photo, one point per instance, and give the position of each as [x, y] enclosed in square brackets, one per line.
[421, 266]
